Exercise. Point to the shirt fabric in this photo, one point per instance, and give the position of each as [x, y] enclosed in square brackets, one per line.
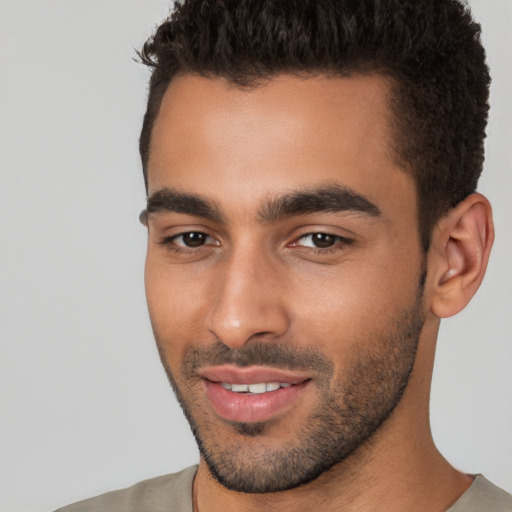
[173, 493]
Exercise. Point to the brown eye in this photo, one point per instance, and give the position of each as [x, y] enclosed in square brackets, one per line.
[189, 241]
[192, 239]
[323, 240]
[320, 240]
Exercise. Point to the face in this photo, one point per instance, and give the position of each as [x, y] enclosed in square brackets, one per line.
[284, 271]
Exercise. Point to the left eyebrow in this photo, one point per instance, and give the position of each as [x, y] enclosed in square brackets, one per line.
[328, 198]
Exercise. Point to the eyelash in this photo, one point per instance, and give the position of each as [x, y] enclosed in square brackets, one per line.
[339, 243]
[170, 242]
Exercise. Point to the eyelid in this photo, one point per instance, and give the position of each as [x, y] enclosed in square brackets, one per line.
[323, 230]
[172, 239]
[169, 241]
[333, 235]
[340, 241]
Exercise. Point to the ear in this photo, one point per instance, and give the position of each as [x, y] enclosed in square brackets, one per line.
[460, 248]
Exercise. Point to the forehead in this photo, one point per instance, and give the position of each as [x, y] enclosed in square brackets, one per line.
[289, 132]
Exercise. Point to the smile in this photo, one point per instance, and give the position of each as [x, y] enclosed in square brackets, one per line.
[255, 389]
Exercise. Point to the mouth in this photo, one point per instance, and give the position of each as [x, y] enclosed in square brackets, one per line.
[255, 389]
[252, 394]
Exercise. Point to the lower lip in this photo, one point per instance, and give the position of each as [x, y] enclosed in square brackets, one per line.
[247, 408]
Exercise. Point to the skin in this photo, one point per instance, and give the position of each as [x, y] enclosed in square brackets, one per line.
[263, 282]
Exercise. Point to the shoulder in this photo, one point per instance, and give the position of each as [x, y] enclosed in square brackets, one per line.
[483, 496]
[164, 493]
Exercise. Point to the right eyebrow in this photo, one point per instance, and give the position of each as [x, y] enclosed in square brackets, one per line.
[330, 198]
[167, 200]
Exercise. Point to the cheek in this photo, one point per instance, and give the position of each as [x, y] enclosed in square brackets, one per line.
[175, 302]
[339, 308]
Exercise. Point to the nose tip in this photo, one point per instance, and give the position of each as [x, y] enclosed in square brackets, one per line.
[247, 304]
[236, 332]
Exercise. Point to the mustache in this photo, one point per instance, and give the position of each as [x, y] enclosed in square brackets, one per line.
[270, 354]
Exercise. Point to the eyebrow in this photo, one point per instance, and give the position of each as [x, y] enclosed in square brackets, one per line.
[166, 200]
[328, 198]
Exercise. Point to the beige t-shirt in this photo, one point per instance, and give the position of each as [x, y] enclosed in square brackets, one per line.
[173, 493]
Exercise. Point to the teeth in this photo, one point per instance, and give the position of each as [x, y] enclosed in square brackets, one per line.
[256, 389]
[240, 388]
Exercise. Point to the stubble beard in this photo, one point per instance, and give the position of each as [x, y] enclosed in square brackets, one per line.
[349, 410]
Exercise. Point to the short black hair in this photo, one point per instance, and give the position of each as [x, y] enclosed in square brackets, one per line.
[429, 49]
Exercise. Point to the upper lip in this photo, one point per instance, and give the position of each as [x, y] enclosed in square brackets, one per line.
[251, 374]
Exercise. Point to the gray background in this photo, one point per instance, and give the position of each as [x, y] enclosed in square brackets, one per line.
[85, 406]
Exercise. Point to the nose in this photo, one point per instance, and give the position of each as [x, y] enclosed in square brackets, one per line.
[248, 300]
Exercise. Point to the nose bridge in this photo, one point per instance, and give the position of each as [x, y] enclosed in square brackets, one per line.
[247, 301]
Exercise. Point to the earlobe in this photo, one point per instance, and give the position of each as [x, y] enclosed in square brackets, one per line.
[461, 245]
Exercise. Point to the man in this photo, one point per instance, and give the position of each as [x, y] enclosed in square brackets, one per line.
[311, 169]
